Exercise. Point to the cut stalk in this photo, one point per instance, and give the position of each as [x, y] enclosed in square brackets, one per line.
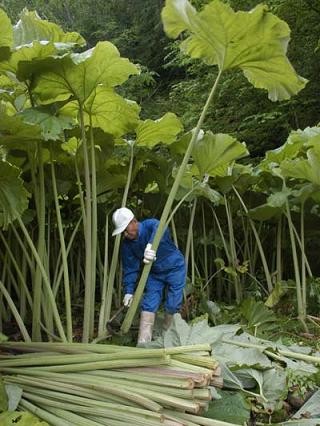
[105, 412]
[44, 414]
[101, 365]
[63, 360]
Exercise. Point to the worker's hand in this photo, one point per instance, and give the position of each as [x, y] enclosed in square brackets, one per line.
[149, 254]
[127, 300]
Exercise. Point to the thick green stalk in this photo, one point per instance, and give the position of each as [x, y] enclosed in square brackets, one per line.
[202, 421]
[279, 250]
[18, 270]
[15, 312]
[37, 286]
[67, 298]
[258, 241]
[72, 417]
[166, 211]
[45, 280]
[87, 313]
[93, 383]
[67, 387]
[106, 412]
[301, 307]
[17, 361]
[303, 261]
[233, 252]
[94, 224]
[81, 197]
[307, 265]
[205, 249]
[109, 364]
[105, 311]
[57, 279]
[44, 414]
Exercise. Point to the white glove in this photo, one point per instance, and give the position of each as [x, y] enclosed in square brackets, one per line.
[149, 254]
[127, 299]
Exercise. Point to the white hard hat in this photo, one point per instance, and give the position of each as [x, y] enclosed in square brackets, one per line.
[121, 219]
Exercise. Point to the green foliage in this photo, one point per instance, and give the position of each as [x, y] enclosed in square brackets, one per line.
[231, 408]
[259, 319]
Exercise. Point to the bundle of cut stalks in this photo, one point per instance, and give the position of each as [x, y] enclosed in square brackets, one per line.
[91, 384]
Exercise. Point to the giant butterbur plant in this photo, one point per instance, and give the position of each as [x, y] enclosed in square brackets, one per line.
[254, 42]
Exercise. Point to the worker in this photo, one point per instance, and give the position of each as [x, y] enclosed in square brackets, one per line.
[167, 274]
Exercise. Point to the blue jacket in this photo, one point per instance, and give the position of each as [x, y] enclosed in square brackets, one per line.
[168, 255]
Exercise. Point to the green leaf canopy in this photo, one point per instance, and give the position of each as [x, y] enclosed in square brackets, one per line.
[255, 41]
[79, 75]
[31, 28]
[214, 153]
[13, 195]
[6, 35]
[306, 169]
[165, 130]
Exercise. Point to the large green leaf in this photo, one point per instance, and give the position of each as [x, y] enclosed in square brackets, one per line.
[108, 111]
[231, 408]
[214, 153]
[255, 41]
[306, 169]
[80, 74]
[6, 40]
[32, 59]
[294, 145]
[52, 126]
[31, 28]
[13, 195]
[17, 134]
[165, 130]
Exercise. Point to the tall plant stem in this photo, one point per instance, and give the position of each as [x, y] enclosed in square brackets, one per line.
[233, 251]
[18, 269]
[301, 307]
[166, 211]
[205, 247]
[303, 261]
[105, 278]
[279, 247]
[15, 313]
[45, 280]
[37, 287]
[67, 297]
[87, 312]
[105, 311]
[94, 224]
[258, 241]
[56, 282]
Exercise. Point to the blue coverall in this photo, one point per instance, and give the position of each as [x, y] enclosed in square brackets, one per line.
[167, 271]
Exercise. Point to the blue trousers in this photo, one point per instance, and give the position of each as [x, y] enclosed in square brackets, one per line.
[171, 282]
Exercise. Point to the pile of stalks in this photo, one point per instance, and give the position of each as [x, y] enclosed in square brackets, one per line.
[93, 384]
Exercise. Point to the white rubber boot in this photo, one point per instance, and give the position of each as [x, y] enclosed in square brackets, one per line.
[167, 321]
[146, 327]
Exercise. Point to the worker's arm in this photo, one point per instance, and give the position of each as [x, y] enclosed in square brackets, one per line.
[131, 269]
